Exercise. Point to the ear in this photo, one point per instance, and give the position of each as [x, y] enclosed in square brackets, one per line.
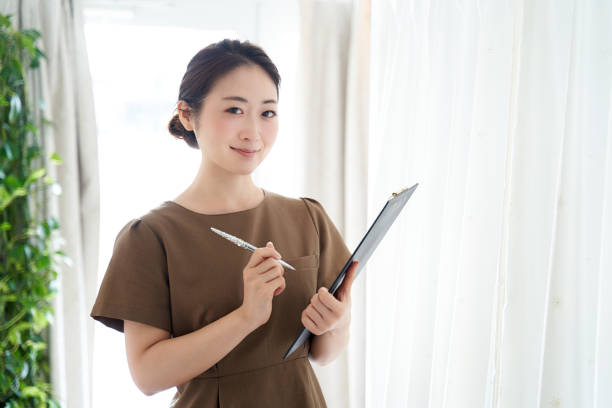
[184, 114]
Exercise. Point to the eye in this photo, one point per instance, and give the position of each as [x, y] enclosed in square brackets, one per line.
[233, 108]
[270, 111]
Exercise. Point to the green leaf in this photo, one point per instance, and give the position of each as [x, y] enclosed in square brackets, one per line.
[4, 195]
[31, 34]
[43, 262]
[8, 298]
[37, 345]
[31, 128]
[33, 392]
[14, 336]
[35, 175]
[12, 182]
[53, 404]
[40, 320]
[56, 158]
[20, 192]
[5, 21]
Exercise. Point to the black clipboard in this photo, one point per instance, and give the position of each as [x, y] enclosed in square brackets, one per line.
[366, 247]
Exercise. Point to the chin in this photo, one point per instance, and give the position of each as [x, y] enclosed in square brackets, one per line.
[245, 170]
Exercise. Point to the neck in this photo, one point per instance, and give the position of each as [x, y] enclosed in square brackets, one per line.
[222, 189]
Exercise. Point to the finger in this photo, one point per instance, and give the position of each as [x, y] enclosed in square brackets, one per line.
[306, 315]
[329, 301]
[327, 315]
[275, 284]
[260, 254]
[315, 316]
[309, 324]
[272, 274]
[266, 265]
[353, 269]
[344, 291]
[280, 289]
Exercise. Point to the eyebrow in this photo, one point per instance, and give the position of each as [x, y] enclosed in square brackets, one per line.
[241, 99]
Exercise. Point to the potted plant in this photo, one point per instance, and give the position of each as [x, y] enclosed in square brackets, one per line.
[29, 241]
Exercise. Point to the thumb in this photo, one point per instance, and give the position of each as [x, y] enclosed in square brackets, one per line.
[270, 244]
[344, 290]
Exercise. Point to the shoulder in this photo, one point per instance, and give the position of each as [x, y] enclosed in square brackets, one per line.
[136, 232]
[304, 205]
[146, 227]
[158, 220]
[306, 213]
[315, 208]
[285, 203]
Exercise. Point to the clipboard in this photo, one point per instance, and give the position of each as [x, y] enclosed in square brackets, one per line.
[366, 247]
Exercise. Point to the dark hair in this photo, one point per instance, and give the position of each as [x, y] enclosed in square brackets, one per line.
[205, 68]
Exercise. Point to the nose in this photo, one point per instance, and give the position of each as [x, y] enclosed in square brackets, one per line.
[250, 131]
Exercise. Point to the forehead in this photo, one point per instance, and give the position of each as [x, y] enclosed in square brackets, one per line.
[249, 81]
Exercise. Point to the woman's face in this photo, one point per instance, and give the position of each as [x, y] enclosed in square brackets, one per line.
[238, 122]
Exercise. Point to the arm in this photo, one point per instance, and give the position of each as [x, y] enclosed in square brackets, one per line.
[326, 347]
[158, 362]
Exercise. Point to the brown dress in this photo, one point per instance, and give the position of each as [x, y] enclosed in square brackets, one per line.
[169, 270]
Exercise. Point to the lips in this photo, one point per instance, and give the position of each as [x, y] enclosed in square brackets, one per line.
[244, 150]
[248, 153]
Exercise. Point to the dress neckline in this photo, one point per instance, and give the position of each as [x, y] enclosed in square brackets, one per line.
[259, 205]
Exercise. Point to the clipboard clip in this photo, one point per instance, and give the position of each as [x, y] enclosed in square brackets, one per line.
[398, 193]
[402, 191]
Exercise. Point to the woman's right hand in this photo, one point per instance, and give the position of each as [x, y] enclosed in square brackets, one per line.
[263, 279]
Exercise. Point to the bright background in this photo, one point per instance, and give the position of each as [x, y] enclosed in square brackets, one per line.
[137, 63]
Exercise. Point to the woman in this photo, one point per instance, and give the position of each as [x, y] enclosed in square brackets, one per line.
[197, 311]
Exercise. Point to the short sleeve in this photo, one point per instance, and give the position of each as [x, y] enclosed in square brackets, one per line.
[135, 284]
[333, 252]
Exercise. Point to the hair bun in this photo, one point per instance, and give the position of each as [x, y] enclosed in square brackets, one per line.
[176, 129]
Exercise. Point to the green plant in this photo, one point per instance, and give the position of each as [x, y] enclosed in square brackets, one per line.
[29, 242]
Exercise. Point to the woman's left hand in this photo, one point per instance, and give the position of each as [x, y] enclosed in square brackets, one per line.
[325, 312]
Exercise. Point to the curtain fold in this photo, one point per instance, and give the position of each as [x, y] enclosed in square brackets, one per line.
[63, 84]
[333, 73]
[354, 219]
[500, 264]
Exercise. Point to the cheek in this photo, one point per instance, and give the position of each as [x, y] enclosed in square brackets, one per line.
[225, 126]
[219, 130]
[269, 132]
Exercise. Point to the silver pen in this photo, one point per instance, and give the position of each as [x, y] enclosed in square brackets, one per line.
[246, 245]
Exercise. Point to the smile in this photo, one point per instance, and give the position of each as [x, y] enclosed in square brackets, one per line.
[245, 153]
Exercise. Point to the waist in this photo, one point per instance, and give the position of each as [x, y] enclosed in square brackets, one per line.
[214, 374]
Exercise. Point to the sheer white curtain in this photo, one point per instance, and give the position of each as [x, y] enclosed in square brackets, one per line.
[333, 124]
[63, 84]
[494, 289]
